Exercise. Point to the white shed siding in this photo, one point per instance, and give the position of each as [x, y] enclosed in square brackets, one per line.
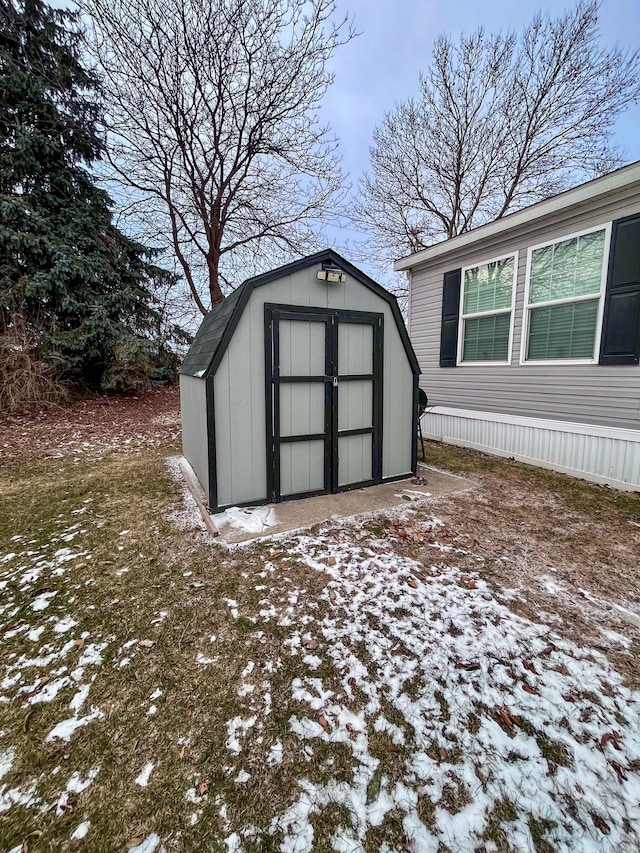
[587, 393]
[240, 413]
[193, 413]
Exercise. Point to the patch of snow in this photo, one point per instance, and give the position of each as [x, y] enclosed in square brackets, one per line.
[80, 698]
[233, 843]
[248, 519]
[66, 729]
[467, 677]
[76, 784]
[81, 831]
[42, 601]
[7, 757]
[274, 756]
[236, 728]
[64, 625]
[242, 777]
[151, 844]
[142, 778]
[13, 797]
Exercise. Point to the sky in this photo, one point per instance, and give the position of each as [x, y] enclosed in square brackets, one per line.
[382, 66]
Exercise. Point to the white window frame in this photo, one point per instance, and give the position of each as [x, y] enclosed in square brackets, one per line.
[526, 308]
[462, 316]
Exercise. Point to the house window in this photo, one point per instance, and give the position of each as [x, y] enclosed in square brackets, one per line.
[565, 284]
[486, 311]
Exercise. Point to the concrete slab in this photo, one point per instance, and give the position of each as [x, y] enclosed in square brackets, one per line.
[242, 525]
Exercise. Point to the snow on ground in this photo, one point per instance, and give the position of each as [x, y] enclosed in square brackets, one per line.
[58, 659]
[494, 723]
[486, 707]
[247, 519]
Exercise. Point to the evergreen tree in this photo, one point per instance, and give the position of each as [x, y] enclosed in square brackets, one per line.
[68, 276]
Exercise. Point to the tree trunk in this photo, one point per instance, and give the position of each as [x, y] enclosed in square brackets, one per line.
[215, 291]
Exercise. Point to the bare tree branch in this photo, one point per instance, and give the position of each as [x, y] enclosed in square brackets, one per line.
[500, 122]
[213, 129]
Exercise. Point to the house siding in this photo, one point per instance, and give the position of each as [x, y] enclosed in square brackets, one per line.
[582, 393]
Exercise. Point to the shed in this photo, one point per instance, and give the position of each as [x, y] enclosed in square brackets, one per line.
[302, 382]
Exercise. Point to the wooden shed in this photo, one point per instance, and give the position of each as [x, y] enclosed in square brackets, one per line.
[302, 382]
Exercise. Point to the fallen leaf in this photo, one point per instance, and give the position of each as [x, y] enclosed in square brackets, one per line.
[402, 533]
[413, 583]
[611, 737]
[568, 697]
[203, 787]
[146, 644]
[600, 824]
[27, 720]
[80, 565]
[504, 717]
[442, 753]
[548, 649]
[323, 722]
[470, 667]
[471, 585]
[79, 644]
[620, 771]
[529, 688]
[528, 665]
[310, 644]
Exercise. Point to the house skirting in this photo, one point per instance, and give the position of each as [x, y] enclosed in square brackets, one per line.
[601, 454]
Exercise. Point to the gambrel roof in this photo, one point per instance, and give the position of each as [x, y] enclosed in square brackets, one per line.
[217, 328]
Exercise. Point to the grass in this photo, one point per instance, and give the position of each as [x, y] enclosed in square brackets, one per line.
[589, 497]
[170, 570]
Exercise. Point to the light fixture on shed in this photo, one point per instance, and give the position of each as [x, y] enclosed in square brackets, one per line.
[331, 274]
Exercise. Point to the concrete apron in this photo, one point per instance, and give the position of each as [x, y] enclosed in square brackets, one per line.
[300, 514]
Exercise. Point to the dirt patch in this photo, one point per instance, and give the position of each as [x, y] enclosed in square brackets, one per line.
[91, 426]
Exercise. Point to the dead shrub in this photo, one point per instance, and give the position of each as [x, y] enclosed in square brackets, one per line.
[26, 379]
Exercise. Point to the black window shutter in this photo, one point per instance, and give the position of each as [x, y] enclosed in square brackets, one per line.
[621, 322]
[450, 309]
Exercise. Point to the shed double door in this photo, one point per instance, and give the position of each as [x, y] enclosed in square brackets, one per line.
[324, 400]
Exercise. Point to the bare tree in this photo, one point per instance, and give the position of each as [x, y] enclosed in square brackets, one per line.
[501, 122]
[213, 126]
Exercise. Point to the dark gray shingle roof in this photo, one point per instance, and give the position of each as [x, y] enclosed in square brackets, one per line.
[207, 340]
